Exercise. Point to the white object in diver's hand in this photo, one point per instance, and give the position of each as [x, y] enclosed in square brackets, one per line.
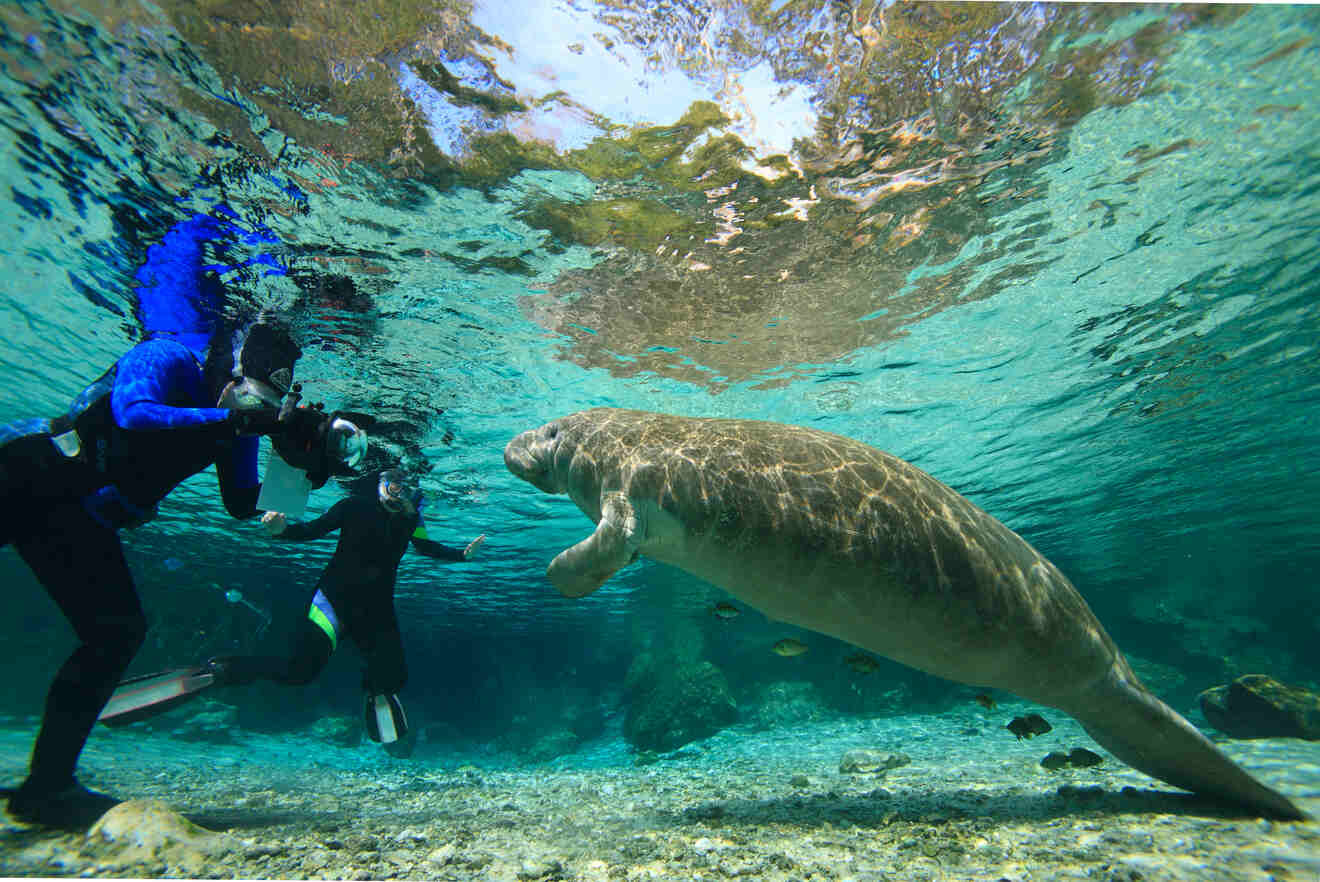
[283, 487]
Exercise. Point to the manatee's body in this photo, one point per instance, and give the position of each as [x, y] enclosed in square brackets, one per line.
[839, 537]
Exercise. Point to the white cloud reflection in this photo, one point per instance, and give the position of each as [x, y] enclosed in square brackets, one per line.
[582, 78]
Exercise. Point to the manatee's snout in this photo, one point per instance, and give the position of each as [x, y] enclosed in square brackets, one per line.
[518, 455]
[531, 454]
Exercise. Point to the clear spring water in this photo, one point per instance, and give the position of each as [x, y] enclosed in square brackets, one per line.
[1062, 257]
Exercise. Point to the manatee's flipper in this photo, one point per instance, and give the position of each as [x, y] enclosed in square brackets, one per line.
[1147, 734]
[581, 569]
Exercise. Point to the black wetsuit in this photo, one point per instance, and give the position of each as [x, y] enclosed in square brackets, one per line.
[128, 440]
[358, 588]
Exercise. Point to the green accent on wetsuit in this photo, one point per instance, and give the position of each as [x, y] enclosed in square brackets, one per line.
[420, 532]
[320, 620]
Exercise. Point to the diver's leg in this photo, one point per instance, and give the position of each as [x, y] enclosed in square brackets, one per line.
[374, 628]
[377, 635]
[34, 473]
[313, 645]
[81, 565]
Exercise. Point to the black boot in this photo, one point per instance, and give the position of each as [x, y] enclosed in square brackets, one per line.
[236, 670]
[70, 807]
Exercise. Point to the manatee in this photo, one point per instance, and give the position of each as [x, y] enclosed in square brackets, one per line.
[833, 535]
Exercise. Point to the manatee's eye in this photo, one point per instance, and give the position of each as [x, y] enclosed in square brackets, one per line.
[551, 431]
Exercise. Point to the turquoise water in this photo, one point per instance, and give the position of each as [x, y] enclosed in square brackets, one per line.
[1062, 258]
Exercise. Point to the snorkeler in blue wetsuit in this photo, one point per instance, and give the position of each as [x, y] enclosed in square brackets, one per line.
[355, 596]
[68, 484]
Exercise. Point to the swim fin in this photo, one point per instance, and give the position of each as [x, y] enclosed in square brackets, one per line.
[386, 721]
[139, 698]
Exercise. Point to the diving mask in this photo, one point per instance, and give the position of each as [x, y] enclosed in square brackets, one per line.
[346, 442]
[397, 492]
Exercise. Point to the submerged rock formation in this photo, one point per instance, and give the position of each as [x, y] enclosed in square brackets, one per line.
[1257, 706]
[670, 706]
[148, 832]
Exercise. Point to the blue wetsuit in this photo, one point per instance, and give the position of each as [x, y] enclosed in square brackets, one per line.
[68, 484]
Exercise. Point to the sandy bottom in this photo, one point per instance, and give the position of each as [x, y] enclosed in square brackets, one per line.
[753, 804]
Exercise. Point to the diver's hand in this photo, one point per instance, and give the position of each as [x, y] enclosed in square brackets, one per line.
[256, 421]
[301, 428]
[304, 428]
[471, 550]
[275, 522]
[301, 442]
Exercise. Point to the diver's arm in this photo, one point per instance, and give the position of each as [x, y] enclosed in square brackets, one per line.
[237, 474]
[315, 529]
[437, 551]
[154, 373]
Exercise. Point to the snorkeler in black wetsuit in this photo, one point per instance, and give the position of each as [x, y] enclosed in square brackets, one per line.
[355, 596]
[193, 394]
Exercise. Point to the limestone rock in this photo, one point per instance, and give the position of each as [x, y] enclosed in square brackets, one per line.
[149, 831]
[682, 704]
[871, 762]
[1257, 706]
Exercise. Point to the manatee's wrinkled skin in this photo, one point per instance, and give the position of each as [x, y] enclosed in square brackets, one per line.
[831, 534]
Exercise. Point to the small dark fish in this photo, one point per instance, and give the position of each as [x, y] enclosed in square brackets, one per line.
[788, 647]
[726, 611]
[985, 701]
[1082, 758]
[862, 663]
[1054, 760]
[1031, 724]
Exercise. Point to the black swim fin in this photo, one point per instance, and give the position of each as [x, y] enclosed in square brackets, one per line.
[142, 697]
[386, 721]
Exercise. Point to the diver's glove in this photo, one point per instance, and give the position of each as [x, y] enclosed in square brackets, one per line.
[255, 421]
[386, 721]
[301, 426]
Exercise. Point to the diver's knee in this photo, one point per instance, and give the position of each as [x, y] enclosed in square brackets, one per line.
[116, 639]
[128, 638]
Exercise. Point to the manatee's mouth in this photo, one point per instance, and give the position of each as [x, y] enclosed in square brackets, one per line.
[528, 457]
[518, 458]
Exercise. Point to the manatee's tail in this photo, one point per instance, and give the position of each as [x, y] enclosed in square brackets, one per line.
[1147, 734]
